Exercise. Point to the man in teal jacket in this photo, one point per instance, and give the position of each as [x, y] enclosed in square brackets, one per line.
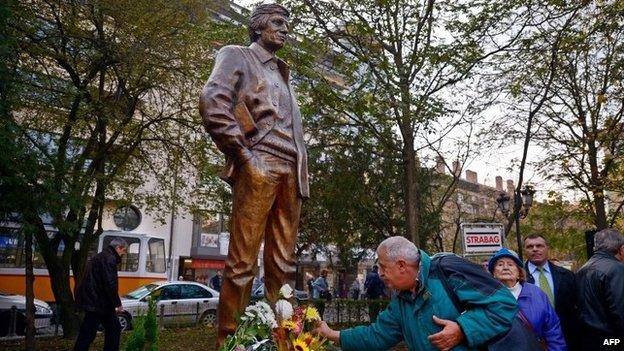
[422, 314]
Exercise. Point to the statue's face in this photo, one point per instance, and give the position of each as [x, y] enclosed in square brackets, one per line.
[273, 36]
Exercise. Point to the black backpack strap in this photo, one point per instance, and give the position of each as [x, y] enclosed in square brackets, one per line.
[436, 262]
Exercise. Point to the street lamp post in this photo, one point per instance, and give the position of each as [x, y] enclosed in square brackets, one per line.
[523, 200]
[503, 203]
[527, 198]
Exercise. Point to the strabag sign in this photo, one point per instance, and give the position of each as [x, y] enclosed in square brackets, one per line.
[482, 238]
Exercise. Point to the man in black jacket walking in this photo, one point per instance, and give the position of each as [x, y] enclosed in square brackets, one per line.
[98, 296]
[600, 284]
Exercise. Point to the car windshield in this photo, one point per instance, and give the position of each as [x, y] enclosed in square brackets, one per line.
[141, 292]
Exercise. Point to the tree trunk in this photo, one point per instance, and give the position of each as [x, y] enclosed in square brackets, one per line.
[600, 219]
[409, 191]
[59, 278]
[30, 294]
[59, 274]
[601, 213]
[79, 257]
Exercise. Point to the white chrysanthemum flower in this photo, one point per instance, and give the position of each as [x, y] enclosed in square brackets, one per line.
[286, 291]
[263, 313]
[284, 309]
[261, 305]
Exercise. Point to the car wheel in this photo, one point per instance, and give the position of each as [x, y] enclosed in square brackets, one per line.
[209, 318]
[124, 321]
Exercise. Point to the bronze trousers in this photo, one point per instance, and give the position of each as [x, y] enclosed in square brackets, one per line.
[265, 206]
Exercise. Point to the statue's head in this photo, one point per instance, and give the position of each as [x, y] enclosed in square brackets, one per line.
[268, 26]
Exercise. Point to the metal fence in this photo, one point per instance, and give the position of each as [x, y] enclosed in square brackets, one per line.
[347, 312]
[342, 312]
[179, 315]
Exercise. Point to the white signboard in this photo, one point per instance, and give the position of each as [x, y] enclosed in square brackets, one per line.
[224, 243]
[482, 238]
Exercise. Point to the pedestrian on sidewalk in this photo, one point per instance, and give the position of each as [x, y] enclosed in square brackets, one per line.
[375, 290]
[216, 280]
[600, 284]
[98, 295]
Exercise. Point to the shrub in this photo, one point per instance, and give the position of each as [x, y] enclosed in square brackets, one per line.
[144, 337]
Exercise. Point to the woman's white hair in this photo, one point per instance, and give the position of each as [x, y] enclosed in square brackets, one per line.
[399, 248]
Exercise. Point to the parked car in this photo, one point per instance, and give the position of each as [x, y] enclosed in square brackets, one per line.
[258, 294]
[43, 313]
[183, 303]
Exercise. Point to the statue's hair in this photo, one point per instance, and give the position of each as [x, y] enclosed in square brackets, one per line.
[609, 240]
[399, 248]
[260, 17]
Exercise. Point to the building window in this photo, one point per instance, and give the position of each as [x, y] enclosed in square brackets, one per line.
[213, 222]
[127, 217]
[208, 228]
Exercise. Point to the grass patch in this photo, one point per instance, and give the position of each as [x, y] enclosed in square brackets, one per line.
[196, 338]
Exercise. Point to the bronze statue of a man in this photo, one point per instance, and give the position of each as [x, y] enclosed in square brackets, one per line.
[250, 111]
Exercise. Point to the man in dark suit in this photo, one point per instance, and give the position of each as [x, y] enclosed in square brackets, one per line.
[557, 283]
[250, 111]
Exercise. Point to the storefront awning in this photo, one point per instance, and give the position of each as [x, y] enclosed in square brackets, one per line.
[210, 264]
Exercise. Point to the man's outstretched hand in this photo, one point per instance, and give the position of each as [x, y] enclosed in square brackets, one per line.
[450, 336]
[325, 331]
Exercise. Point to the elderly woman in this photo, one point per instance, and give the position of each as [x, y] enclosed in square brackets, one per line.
[533, 303]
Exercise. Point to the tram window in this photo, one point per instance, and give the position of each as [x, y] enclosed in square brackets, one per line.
[38, 261]
[156, 256]
[11, 248]
[130, 261]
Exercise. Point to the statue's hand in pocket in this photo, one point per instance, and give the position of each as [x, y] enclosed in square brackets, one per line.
[255, 166]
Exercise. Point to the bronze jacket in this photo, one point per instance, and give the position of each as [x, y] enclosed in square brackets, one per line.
[239, 107]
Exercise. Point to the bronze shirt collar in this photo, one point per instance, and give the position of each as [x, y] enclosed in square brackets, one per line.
[264, 56]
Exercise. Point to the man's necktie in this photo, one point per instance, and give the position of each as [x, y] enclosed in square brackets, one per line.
[545, 286]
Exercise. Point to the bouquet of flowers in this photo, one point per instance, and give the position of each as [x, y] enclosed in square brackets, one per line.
[287, 328]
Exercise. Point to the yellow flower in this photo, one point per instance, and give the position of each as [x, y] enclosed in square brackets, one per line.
[306, 337]
[312, 314]
[300, 345]
[289, 324]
